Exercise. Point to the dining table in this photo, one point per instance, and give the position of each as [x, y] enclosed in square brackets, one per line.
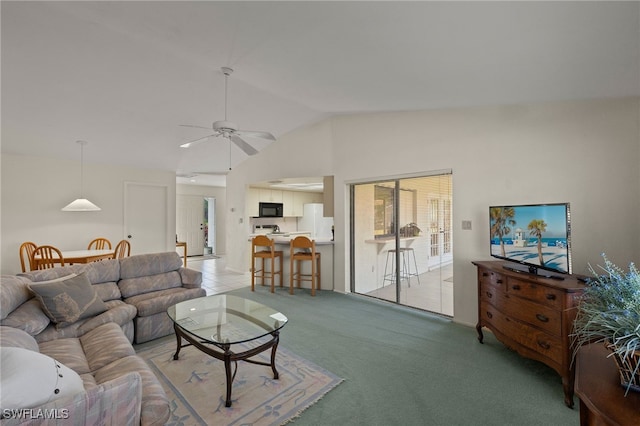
[82, 256]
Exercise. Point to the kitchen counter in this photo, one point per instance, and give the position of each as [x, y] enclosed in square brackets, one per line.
[324, 246]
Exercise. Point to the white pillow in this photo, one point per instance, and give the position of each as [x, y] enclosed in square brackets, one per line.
[29, 379]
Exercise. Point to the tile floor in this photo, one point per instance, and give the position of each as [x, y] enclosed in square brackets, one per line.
[215, 276]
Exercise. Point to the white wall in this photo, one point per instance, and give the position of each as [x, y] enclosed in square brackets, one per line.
[34, 189]
[583, 152]
[219, 193]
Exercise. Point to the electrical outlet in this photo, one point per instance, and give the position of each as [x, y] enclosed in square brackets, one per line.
[466, 225]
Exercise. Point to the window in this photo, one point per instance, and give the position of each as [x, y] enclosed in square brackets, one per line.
[384, 209]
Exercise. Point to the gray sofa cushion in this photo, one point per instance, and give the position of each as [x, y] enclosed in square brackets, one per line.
[68, 300]
[149, 264]
[118, 312]
[14, 337]
[149, 284]
[15, 291]
[28, 317]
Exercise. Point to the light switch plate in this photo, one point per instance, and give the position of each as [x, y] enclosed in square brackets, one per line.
[466, 225]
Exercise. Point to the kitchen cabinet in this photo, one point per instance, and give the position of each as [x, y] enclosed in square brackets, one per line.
[288, 204]
[292, 201]
[253, 201]
[270, 195]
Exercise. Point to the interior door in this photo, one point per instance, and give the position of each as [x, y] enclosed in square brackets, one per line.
[146, 217]
[190, 225]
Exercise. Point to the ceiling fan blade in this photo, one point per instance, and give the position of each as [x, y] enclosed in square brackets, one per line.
[196, 141]
[255, 134]
[248, 149]
[193, 125]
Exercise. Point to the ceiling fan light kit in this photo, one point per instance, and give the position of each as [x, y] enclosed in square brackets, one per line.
[81, 204]
[228, 129]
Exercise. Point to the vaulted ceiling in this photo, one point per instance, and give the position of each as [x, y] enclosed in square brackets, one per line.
[125, 75]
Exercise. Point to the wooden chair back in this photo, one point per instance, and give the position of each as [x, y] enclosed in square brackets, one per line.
[262, 244]
[46, 257]
[26, 255]
[123, 249]
[305, 244]
[99, 244]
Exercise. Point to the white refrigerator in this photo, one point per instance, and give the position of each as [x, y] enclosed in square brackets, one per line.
[313, 221]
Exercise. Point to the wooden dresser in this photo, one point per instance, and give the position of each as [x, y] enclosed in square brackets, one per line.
[531, 315]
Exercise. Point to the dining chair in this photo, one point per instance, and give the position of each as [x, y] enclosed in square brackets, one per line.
[263, 247]
[26, 255]
[46, 257]
[99, 244]
[123, 249]
[304, 249]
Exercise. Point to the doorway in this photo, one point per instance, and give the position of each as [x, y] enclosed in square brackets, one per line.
[401, 241]
[195, 223]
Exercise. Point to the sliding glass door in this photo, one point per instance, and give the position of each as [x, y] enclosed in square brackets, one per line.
[401, 247]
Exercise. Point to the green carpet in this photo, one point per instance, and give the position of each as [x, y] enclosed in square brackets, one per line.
[407, 367]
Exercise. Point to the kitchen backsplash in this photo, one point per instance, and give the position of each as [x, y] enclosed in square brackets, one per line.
[311, 223]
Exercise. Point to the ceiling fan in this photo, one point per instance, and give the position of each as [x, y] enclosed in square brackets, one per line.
[228, 129]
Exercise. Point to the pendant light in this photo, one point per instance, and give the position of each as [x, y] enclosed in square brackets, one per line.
[81, 204]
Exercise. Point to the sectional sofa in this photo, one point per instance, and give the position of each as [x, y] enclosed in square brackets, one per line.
[66, 338]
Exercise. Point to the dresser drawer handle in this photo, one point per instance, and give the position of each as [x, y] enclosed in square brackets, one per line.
[484, 274]
[489, 315]
[499, 281]
[542, 318]
[551, 297]
[489, 294]
[544, 345]
[516, 287]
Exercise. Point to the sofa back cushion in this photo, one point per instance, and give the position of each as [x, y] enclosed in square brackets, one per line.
[16, 338]
[149, 272]
[103, 275]
[134, 286]
[28, 317]
[143, 265]
[14, 291]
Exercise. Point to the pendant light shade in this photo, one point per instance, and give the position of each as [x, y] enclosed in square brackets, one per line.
[81, 204]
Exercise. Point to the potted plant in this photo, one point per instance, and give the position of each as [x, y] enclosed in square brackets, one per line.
[410, 230]
[609, 312]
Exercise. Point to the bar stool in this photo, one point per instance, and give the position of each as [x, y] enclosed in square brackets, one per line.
[263, 247]
[405, 266]
[304, 249]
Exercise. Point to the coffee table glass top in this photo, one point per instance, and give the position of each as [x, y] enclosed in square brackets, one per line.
[226, 319]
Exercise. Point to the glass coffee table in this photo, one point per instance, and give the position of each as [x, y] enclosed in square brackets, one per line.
[217, 325]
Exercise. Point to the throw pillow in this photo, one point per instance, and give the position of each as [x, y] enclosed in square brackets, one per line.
[69, 299]
[30, 379]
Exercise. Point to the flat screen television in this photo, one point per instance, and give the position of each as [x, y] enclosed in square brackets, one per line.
[537, 236]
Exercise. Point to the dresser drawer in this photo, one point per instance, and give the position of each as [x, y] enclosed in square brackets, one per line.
[492, 293]
[539, 316]
[536, 292]
[524, 334]
[491, 278]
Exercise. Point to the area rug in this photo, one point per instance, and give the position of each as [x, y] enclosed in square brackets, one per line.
[195, 385]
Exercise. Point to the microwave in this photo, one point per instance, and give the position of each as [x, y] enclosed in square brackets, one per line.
[270, 210]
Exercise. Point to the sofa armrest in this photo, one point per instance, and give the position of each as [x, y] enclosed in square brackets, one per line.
[190, 278]
[115, 402]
